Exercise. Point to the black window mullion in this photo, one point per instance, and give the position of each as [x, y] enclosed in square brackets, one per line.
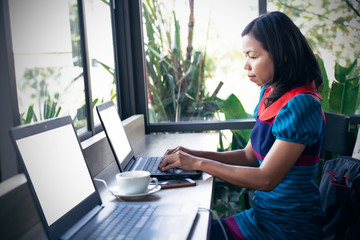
[113, 14]
[200, 126]
[262, 6]
[124, 58]
[136, 25]
[8, 97]
[86, 69]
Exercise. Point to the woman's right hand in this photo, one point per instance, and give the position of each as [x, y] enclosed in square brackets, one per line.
[178, 157]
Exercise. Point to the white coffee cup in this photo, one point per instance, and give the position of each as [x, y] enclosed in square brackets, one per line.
[135, 182]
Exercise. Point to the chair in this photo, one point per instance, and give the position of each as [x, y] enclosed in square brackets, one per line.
[337, 138]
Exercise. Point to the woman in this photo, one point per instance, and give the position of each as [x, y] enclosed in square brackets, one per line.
[280, 160]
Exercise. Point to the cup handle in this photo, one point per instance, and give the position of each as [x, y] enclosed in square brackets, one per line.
[106, 186]
[155, 185]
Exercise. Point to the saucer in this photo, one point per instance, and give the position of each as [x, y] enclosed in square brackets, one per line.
[115, 191]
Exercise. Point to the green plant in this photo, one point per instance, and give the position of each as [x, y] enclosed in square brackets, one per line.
[37, 79]
[228, 199]
[233, 109]
[50, 109]
[343, 94]
[176, 82]
[48, 106]
[112, 72]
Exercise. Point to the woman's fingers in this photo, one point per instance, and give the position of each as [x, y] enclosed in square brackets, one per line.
[169, 161]
[179, 159]
[171, 151]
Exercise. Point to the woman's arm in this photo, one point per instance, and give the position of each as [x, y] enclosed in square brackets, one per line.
[243, 157]
[279, 160]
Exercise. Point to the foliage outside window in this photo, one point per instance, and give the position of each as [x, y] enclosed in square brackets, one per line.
[193, 58]
[333, 30]
[48, 60]
[194, 63]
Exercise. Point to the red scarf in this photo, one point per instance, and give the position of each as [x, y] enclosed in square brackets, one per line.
[267, 113]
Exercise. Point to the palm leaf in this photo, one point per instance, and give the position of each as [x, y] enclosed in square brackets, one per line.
[29, 114]
[325, 89]
[159, 57]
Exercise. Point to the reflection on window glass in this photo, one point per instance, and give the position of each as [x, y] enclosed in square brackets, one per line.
[195, 61]
[47, 55]
[100, 52]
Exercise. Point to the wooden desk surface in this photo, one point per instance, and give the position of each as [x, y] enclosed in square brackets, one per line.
[156, 145]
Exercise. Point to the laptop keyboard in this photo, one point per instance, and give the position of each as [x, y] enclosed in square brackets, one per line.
[152, 165]
[125, 222]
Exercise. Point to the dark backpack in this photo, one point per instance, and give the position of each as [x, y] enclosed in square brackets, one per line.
[340, 198]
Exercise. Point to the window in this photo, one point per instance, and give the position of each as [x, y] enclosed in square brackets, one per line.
[194, 61]
[58, 60]
[100, 52]
[51, 71]
[48, 60]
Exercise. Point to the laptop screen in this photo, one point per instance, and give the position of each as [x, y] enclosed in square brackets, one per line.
[57, 169]
[116, 134]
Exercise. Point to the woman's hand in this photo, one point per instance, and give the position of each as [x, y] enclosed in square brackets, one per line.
[174, 150]
[179, 157]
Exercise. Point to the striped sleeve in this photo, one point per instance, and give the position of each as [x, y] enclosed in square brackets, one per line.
[299, 121]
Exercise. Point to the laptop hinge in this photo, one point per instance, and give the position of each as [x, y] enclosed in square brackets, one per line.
[130, 165]
[74, 229]
[138, 164]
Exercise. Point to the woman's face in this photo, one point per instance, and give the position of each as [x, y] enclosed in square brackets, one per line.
[258, 64]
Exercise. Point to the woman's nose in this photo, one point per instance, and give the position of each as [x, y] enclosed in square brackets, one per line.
[247, 65]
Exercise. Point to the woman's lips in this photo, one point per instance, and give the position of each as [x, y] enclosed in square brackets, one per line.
[251, 77]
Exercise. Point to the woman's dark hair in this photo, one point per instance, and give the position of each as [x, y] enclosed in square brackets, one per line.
[294, 61]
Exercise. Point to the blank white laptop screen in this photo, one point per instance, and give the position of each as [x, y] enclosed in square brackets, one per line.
[116, 132]
[55, 162]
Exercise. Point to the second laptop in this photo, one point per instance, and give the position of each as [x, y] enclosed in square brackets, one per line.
[123, 152]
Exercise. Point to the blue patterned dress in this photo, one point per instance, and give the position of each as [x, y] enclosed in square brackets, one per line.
[292, 210]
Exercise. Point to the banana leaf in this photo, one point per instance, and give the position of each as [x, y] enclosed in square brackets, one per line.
[344, 90]
[177, 44]
[158, 105]
[343, 96]
[325, 88]
[233, 109]
[340, 73]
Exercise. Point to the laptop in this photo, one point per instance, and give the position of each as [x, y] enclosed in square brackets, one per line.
[68, 203]
[123, 152]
